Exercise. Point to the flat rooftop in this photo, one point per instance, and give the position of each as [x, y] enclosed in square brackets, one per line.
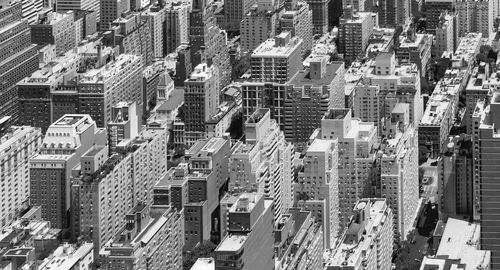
[232, 243]
[436, 110]
[302, 77]
[204, 264]
[268, 48]
[319, 145]
[109, 70]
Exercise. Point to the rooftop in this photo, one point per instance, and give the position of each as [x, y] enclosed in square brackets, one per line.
[204, 264]
[468, 47]
[302, 77]
[405, 42]
[358, 17]
[201, 73]
[232, 243]
[65, 257]
[113, 68]
[319, 145]
[15, 135]
[269, 48]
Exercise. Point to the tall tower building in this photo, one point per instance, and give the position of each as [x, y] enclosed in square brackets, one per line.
[18, 59]
[493, 13]
[472, 16]
[17, 145]
[208, 42]
[433, 9]
[257, 26]
[65, 141]
[446, 34]
[123, 124]
[264, 163]
[354, 32]
[356, 166]
[235, 11]
[317, 187]
[201, 96]
[155, 16]
[177, 22]
[276, 60]
[63, 6]
[297, 19]
[111, 10]
[486, 140]
[320, 15]
[250, 242]
[367, 242]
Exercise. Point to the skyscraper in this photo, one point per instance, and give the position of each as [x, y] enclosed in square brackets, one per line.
[111, 10]
[18, 59]
[354, 32]
[234, 12]
[65, 141]
[17, 145]
[55, 28]
[177, 22]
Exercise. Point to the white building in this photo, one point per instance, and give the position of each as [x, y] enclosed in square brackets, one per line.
[70, 257]
[264, 162]
[446, 38]
[317, 188]
[472, 16]
[17, 146]
[367, 241]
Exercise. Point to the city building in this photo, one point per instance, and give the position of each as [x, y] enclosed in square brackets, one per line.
[415, 48]
[455, 189]
[310, 93]
[218, 124]
[101, 88]
[147, 241]
[481, 82]
[257, 26]
[156, 86]
[204, 264]
[297, 19]
[155, 16]
[399, 171]
[320, 14]
[276, 60]
[249, 243]
[439, 116]
[381, 40]
[85, 23]
[356, 159]
[55, 28]
[63, 6]
[459, 247]
[65, 141]
[69, 257]
[132, 34]
[176, 19]
[264, 162]
[317, 187]
[486, 173]
[208, 43]
[354, 32]
[433, 9]
[26, 240]
[110, 10]
[207, 178]
[17, 145]
[493, 13]
[30, 8]
[18, 59]
[446, 34]
[123, 124]
[298, 241]
[367, 241]
[235, 11]
[472, 17]
[201, 99]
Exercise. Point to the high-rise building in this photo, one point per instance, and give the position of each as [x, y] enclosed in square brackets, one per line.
[256, 27]
[208, 43]
[235, 11]
[486, 140]
[446, 34]
[367, 241]
[147, 241]
[276, 60]
[310, 93]
[101, 88]
[250, 242]
[177, 22]
[55, 28]
[354, 33]
[75, 5]
[317, 187]
[155, 15]
[356, 166]
[415, 48]
[455, 178]
[433, 9]
[399, 173]
[201, 96]
[459, 246]
[472, 16]
[110, 10]
[264, 163]
[480, 83]
[297, 19]
[18, 59]
[17, 145]
[320, 15]
[30, 8]
[123, 124]
[493, 13]
[305, 248]
[207, 177]
[65, 141]
[132, 34]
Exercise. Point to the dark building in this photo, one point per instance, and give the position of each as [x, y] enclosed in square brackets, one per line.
[433, 9]
[18, 57]
[183, 67]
